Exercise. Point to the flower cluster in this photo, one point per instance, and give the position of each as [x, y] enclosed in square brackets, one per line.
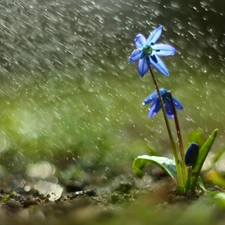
[148, 53]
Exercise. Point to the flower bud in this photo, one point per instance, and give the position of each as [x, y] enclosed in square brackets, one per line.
[191, 154]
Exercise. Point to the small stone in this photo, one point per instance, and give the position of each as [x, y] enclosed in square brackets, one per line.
[124, 187]
[13, 204]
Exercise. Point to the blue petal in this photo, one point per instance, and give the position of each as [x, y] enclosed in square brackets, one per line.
[164, 49]
[151, 98]
[154, 36]
[159, 65]
[169, 108]
[163, 91]
[177, 104]
[143, 66]
[140, 41]
[135, 55]
[154, 109]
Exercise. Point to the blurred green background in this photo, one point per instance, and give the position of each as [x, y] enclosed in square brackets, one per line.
[68, 95]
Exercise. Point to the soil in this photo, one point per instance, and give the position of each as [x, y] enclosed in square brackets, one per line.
[86, 204]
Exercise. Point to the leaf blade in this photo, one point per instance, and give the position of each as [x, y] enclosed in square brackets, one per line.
[196, 169]
[166, 164]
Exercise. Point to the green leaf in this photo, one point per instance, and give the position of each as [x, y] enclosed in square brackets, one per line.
[220, 199]
[196, 169]
[166, 164]
[202, 186]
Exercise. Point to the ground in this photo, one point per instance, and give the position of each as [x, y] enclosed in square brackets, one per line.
[132, 201]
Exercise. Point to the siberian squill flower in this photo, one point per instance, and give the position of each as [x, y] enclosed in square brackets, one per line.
[156, 106]
[148, 52]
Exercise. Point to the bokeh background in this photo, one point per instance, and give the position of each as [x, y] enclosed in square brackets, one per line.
[69, 97]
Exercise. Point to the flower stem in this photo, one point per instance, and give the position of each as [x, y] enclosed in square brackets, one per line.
[180, 140]
[181, 186]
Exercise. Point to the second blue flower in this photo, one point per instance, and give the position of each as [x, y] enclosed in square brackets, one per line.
[156, 106]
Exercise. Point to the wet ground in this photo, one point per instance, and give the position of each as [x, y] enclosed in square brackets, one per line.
[133, 201]
[100, 204]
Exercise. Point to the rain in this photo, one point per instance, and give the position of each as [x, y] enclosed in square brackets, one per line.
[69, 97]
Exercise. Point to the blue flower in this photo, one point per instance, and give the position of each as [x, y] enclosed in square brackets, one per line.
[147, 52]
[156, 106]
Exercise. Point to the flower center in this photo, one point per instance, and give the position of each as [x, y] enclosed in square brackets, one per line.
[147, 50]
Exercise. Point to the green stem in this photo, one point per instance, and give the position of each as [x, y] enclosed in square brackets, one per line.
[180, 140]
[181, 186]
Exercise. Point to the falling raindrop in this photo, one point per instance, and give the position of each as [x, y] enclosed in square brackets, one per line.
[66, 83]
